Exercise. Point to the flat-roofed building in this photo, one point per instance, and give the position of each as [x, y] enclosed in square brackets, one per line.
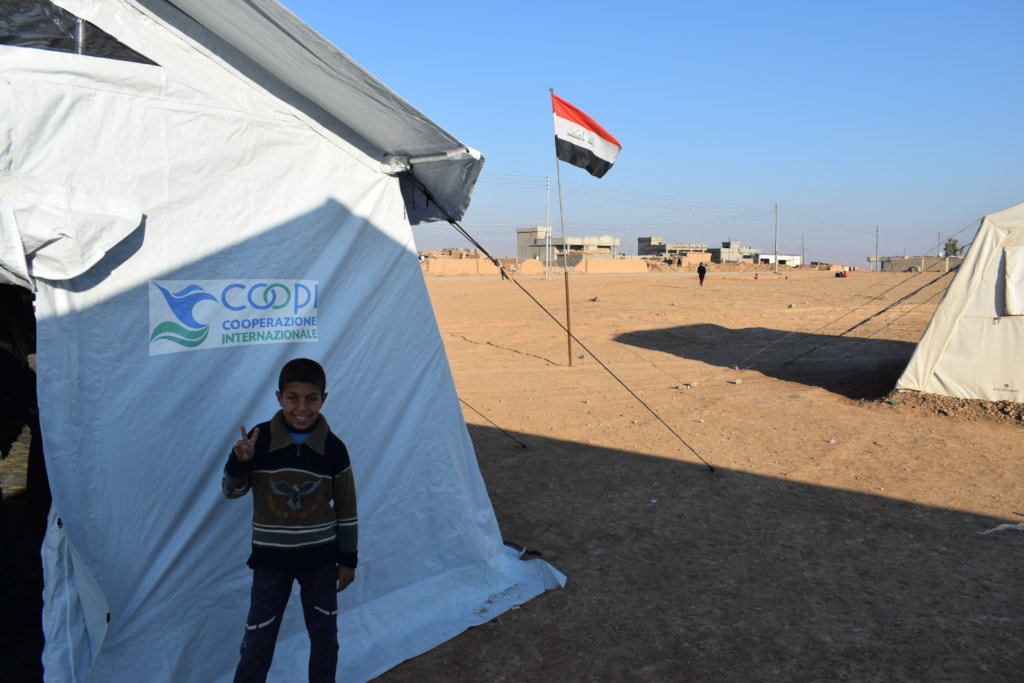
[656, 246]
[791, 260]
[732, 252]
[915, 264]
[532, 242]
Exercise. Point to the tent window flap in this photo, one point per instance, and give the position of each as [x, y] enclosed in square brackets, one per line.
[1014, 278]
[42, 25]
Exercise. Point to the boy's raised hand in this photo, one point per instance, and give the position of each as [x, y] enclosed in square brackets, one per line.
[245, 446]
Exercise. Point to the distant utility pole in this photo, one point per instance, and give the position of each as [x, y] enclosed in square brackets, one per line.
[776, 238]
[876, 266]
[547, 237]
[803, 259]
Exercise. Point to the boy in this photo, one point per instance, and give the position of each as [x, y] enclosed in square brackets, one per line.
[295, 466]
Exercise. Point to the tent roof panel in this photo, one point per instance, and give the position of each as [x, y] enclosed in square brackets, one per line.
[279, 43]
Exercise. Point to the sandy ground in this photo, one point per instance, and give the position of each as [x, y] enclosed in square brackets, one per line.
[838, 537]
[804, 525]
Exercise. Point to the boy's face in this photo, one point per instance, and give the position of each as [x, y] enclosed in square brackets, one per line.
[301, 403]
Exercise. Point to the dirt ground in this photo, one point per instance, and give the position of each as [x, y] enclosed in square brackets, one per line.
[839, 535]
[791, 520]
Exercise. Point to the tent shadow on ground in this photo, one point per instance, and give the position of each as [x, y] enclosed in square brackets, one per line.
[855, 367]
[678, 573]
[725, 575]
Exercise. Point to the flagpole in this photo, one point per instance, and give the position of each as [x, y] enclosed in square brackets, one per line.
[565, 247]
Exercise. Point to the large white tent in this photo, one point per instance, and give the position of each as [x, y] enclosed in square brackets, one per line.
[972, 346]
[240, 195]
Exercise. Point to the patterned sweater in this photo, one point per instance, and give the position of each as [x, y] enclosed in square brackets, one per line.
[293, 485]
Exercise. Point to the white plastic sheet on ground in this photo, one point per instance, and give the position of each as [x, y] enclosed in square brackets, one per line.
[261, 236]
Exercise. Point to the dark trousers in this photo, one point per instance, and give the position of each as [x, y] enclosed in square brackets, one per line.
[270, 591]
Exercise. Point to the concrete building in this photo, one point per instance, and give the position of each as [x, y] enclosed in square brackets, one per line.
[732, 252]
[914, 264]
[531, 244]
[792, 260]
[656, 246]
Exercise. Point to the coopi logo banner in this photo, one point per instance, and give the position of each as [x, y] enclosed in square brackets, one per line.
[189, 315]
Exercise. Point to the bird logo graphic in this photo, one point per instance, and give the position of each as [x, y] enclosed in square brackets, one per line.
[295, 492]
[188, 331]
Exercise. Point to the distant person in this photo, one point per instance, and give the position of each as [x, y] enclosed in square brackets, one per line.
[701, 272]
[296, 468]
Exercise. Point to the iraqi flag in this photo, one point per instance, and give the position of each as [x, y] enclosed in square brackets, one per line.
[580, 141]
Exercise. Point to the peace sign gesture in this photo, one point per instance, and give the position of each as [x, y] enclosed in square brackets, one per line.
[245, 446]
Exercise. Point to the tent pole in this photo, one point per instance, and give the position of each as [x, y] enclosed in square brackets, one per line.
[565, 264]
[565, 249]
[79, 36]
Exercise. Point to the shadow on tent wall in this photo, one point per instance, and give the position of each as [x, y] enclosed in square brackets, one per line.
[855, 367]
[727, 575]
[23, 513]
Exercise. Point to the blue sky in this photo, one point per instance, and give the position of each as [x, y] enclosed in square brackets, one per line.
[905, 115]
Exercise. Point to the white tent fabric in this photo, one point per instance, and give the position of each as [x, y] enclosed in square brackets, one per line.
[971, 348]
[54, 232]
[264, 40]
[203, 231]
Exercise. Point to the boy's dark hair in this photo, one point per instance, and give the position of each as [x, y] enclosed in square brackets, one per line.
[302, 370]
